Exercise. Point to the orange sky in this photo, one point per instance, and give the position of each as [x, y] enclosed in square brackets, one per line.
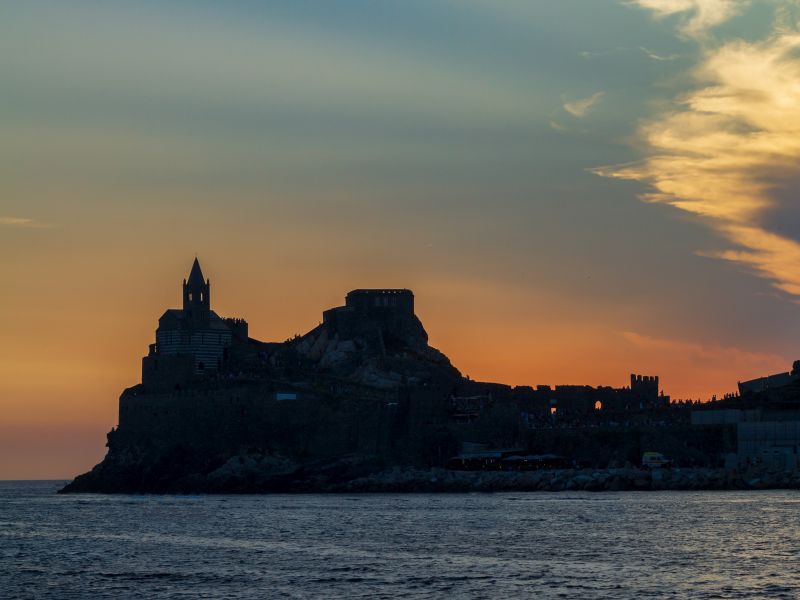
[574, 190]
[78, 328]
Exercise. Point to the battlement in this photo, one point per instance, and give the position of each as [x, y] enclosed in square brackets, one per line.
[643, 381]
[380, 300]
[239, 328]
[383, 316]
[646, 388]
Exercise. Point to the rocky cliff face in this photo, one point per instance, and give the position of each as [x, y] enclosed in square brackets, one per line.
[384, 352]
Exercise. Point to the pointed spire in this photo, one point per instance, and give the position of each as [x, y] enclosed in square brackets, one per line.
[196, 291]
[196, 275]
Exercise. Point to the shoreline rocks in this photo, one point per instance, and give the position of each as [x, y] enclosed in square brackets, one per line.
[262, 474]
[590, 480]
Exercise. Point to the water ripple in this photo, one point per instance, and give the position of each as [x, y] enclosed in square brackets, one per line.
[721, 545]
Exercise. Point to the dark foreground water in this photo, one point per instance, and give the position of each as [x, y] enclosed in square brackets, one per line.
[565, 545]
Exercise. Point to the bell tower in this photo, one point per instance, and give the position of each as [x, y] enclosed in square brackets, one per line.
[197, 293]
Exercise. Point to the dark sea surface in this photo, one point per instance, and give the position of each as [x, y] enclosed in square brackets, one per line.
[513, 545]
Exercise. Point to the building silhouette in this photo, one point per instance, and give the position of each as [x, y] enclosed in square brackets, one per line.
[193, 340]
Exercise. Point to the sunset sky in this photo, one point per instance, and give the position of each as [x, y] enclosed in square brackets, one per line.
[574, 189]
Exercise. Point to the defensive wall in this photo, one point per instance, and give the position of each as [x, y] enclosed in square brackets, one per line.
[292, 421]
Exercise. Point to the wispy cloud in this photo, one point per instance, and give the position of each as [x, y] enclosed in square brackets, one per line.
[699, 15]
[658, 57]
[695, 351]
[731, 151]
[21, 222]
[590, 55]
[581, 108]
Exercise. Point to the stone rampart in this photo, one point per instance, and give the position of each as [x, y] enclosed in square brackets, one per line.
[293, 422]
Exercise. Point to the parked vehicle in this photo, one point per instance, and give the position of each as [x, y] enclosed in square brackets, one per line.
[652, 460]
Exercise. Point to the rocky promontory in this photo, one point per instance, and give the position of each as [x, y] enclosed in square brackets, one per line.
[362, 402]
[254, 473]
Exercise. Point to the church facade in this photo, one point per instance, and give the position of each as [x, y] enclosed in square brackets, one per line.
[192, 341]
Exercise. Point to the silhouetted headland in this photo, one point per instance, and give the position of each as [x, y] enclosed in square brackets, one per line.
[362, 402]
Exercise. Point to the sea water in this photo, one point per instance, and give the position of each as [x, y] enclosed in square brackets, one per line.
[511, 545]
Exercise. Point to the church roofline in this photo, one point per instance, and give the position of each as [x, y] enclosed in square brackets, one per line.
[196, 274]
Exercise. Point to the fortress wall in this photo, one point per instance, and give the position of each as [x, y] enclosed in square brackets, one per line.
[381, 300]
[311, 426]
[226, 420]
[166, 372]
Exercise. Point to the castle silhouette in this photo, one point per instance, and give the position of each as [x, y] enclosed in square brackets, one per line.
[364, 390]
[194, 344]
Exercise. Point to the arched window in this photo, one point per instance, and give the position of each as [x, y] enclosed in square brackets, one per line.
[598, 405]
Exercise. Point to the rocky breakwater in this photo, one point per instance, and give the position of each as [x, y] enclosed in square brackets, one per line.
[590, 480]
[267, 473]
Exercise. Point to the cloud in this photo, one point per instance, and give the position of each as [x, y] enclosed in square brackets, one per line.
[694, 351]
[587, 54]
[659, 57]
[729, 153]
[20, 222]
[702, 14]
[581, 108]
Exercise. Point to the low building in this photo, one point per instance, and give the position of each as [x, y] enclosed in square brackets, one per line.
[766, 420]
[762, 384]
